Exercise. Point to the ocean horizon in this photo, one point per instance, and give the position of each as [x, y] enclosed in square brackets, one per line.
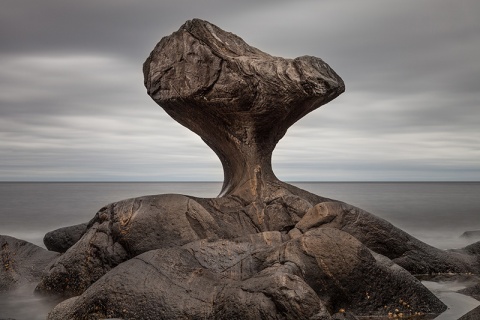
[434, 212]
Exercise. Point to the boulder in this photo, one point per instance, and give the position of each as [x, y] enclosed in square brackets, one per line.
[21, 262]
[261, 276]
[60, 240]
[238, 99]
[127, 228]
[264, 249]
[382, 237]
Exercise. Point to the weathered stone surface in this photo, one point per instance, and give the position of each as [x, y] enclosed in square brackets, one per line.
[384, 238]
[201, 280]
[21, 262]
[123, 230]
[264, 249]
[60, 240]
[262, 276]
[239, 99]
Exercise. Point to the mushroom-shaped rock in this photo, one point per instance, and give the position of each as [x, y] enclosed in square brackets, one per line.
[263, 250]
[238, 99]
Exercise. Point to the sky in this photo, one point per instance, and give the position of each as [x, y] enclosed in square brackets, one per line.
[73, 106]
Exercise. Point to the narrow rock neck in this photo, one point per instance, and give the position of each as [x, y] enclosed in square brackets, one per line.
[243, 146]
[246, 168]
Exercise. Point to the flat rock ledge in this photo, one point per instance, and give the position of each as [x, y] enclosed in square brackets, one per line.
[263, 249]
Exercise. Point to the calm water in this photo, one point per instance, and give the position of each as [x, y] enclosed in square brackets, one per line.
[434, 212]
[437, 213]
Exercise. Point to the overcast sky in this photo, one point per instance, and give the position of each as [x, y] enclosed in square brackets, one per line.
[74, 108]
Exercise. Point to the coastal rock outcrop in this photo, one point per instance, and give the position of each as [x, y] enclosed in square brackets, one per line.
[127, 228]
[21, 262]
[238, 99]
[60, 240]
[382, 237]
[263, 249]
[263, 276]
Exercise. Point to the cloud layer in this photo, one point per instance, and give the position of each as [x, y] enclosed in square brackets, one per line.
[73, 105]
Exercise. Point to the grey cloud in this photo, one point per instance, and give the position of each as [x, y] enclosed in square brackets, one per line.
[73, 105]
[120, 27]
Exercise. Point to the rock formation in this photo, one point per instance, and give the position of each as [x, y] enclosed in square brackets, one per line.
[262, 276]
[62, 239]
[382, 237]
[264, 249]
[22, 262]
[238, 99]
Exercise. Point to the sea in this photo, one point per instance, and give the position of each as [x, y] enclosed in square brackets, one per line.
[437, 213]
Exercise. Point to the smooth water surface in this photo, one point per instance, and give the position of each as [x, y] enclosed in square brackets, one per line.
[435, 212]
[29, 210]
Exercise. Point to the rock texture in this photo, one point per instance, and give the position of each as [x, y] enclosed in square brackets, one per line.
[239, 99]
[125, 229]
[382, 237]
[263, 276]
[264, 249]
[22, 262]
[62, 239]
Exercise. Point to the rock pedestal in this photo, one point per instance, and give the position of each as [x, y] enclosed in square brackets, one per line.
[240, 100]
[264, 249]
